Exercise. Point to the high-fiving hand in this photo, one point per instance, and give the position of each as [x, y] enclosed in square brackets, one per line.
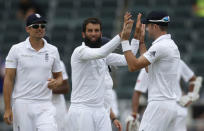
[127, 26]
[138, 27]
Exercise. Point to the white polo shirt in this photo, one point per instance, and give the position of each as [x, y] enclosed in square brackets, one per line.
[142, 83]
[33, 68]
[186, 74]
[164, 57]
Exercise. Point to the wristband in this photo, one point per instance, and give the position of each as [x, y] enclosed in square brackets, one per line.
[136, 41]
[125, 45]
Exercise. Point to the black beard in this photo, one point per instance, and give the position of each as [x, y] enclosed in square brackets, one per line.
[93, 44]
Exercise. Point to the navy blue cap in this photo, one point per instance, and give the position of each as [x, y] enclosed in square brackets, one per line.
[157, 17]
[35, 18]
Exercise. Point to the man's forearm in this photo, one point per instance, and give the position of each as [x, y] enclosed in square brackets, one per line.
[191, 86]
[112, 115]
[135, 101]
[7, 91]
[63, 89]
[59, 81]
[142, 48]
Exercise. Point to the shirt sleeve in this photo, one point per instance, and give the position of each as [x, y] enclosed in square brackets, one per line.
[186, 72]
[155, 52]
[134, 46]
[86, 53]
[142, 82]
[11, 59]
[64, 72]
[56, 66]
[115, 59]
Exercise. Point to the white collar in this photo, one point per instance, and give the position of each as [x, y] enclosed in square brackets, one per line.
[166, 36]
[28, 45]
[83, 44]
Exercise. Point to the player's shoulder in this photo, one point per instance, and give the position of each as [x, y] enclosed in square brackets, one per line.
[79, 49]
[18, 46]
[51, 47]
[182, 64]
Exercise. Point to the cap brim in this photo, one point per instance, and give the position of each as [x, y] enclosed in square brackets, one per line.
[145, 21]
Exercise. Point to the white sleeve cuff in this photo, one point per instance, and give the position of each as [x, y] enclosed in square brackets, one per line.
[125, 45]
[135, 41]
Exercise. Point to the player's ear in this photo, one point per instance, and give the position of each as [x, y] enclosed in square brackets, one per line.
[83, 34]
[27, 29]
[156, 26]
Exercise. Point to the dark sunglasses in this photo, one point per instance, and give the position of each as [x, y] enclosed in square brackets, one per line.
[36, 26]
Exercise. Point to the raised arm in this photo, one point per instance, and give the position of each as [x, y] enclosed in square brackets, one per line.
[86, 53]
[133, 62]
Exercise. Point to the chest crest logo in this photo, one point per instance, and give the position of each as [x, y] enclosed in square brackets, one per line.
[46, 57]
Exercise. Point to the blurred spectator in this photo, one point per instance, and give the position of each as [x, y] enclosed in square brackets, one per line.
[26, 8]
[198, 8]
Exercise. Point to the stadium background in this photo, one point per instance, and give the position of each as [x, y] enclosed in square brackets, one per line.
[65, 18]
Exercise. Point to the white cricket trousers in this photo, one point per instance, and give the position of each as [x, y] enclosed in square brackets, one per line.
[159, 116]
[60, 115]
[84, 118]
[181, 118]
[33, 115]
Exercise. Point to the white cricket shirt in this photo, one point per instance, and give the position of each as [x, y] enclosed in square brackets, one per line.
[164, 57]
[89, 72]
[142, 82]
[184, 72]
[33, 68]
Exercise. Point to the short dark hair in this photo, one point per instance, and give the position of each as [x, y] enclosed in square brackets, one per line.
[92, 20]
[163, 28]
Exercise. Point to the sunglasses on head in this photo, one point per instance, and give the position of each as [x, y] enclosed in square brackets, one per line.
[36, 26]
[165, 19]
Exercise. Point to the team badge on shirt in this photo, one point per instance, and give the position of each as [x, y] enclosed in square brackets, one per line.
[46, 57]
[152, 53]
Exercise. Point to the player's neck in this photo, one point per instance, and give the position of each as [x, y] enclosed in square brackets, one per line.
[157, 35]
[36, 43]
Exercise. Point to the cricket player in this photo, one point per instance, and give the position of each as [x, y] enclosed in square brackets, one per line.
[30, 66]
[89, 64]
[161, 61]
[58, 100]
[184, 73]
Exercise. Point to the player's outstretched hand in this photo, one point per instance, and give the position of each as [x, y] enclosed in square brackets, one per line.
[52, 83]
[8, 116]
[142, 34]
[138, 27]
[127, 26]
[117, 124]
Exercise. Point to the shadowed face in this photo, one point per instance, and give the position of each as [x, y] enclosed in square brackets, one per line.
[92, 35]
[152, 30]
[36, 30]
